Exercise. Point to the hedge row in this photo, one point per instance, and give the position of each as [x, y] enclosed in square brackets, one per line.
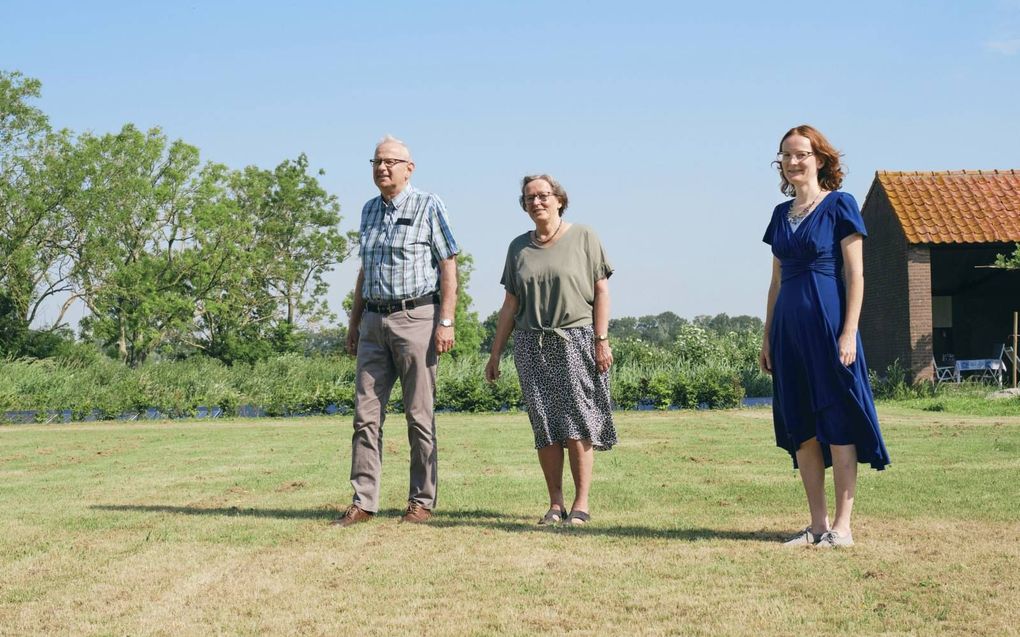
[292, 384]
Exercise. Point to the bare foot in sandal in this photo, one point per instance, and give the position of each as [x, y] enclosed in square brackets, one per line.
[578, 517]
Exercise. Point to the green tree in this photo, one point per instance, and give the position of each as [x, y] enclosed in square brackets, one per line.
[1009, 262]
[469, 330]
[136, 263]
[33, 188]
[285, 238]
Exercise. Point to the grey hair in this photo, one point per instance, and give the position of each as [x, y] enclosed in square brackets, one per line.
[390, 139]
[557, 190]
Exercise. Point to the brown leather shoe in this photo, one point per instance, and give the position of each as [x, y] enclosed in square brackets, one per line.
[416, 514]
[353, 515]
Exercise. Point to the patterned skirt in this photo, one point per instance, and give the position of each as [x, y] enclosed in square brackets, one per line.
[567, 398]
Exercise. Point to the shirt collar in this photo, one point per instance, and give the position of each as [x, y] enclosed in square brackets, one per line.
[399, 200]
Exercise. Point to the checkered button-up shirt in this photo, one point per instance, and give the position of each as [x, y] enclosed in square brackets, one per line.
[402, 242]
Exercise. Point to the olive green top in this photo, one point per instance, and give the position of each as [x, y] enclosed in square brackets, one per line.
[555, 286]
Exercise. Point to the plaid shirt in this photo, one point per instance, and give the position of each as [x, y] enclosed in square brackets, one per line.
[402, 243]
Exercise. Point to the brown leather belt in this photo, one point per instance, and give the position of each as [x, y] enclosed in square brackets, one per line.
[389, 307]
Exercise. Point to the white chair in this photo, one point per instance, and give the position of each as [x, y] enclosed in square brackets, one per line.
[943, 374]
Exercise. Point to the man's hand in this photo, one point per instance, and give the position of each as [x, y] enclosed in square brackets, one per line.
[352, 339]
[444, 339]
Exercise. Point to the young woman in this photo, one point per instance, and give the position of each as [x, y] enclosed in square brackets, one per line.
[823, 410]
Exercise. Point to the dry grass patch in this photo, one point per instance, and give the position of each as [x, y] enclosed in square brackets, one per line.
[222, 528]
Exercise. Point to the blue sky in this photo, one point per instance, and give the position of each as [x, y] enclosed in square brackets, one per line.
[659, 118]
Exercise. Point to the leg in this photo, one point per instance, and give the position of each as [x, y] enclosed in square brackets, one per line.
[373, 382]
[411, 340]
[582, 458]
[550, 457]
[812, 474]
[844, 473]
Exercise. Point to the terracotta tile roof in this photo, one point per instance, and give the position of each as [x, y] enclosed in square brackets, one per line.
[967, 206]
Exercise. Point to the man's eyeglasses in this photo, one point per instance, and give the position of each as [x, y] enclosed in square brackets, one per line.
[542, 196]
[389, 163]
[787, 157]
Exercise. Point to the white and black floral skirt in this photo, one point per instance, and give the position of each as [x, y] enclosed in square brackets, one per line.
[567, 398]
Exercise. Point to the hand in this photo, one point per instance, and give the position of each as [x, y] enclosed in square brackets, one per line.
[492, 369]
[847, 348]
[352, 339]
[444, 339]
[765, 358]
[603, 356]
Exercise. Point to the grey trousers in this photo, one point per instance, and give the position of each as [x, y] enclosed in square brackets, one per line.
[398, 345]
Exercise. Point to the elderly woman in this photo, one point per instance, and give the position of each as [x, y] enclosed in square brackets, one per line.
[823, 410]
[557, 302]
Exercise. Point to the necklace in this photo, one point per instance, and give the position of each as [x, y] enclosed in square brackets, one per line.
[534, 235]
[798, 217]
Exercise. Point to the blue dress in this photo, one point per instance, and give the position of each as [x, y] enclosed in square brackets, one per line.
[814, 394]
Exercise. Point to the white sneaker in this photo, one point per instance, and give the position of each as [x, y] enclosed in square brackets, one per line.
[831, 540]
[804, 538]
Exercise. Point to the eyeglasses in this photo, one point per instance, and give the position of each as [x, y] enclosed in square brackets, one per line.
[787, 157]
[389, 163]
[542, 196]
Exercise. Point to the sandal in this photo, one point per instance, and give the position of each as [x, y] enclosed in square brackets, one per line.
[578, 517]
[552, 516]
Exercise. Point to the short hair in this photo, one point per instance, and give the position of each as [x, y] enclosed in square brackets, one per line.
[557, 189]
[830, 175]
[390, 139]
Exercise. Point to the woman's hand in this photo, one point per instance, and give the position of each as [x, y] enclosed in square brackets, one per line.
[603, 356]
[492, 369]
[847, 349]
[764, 357]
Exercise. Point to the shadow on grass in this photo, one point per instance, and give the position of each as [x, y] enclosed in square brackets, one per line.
[480, 518]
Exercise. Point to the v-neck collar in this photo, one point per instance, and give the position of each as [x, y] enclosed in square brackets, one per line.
[807, 218]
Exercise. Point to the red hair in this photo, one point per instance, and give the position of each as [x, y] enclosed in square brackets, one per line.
[830, 173]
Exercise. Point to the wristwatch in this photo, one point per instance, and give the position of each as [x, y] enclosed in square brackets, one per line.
[446, 322]
[602, 337]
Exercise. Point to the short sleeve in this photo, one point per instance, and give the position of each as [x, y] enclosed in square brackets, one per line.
[770, 231]
[848, 217]
[508, 280]
[444, 245]
[600, 265]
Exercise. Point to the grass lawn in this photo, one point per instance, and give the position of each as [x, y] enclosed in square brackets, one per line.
[200, 528]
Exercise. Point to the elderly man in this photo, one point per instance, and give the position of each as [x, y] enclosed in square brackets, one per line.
[404, 302]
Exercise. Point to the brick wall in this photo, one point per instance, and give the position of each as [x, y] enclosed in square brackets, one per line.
[919, 289]
[886, 328]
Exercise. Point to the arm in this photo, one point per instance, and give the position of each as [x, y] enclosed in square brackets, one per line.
[447, 303]
[853, 275]
[355, 321]
[600, 316]
[504, 325]
[765, 357]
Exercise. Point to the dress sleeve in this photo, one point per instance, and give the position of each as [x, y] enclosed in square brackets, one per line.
[848, 217]
[770, 232]
[600, 265]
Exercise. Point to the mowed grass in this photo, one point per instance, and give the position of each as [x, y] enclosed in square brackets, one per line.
[201, 528]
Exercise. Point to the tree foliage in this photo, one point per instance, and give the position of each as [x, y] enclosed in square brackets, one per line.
[168, 255]
[33, 187]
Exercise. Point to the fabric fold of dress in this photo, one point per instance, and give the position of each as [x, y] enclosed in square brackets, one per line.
[814, 394]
